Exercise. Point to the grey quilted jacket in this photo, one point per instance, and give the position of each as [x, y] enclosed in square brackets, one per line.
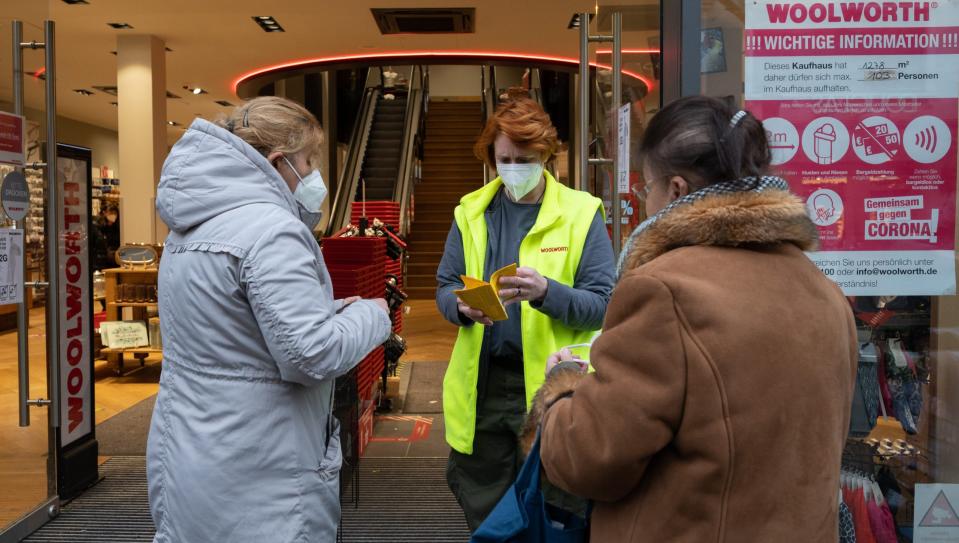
[243, 446]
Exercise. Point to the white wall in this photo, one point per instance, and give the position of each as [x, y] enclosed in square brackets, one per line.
[449, 81]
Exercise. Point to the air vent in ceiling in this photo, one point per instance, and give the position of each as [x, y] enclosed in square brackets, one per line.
[425, 20]
[109, 89]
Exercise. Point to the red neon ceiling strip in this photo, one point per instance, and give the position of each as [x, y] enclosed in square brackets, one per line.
[40, 72]
[628, 51]
[432, 54]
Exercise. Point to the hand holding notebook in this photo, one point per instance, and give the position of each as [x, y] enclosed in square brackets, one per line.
[483, 296]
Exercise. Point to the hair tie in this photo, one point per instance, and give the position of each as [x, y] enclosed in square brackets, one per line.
[736, 118]
[246, 118]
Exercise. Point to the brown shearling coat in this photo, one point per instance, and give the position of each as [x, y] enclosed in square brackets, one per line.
[724, 376]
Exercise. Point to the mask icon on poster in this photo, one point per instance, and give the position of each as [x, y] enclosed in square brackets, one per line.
[824, 207]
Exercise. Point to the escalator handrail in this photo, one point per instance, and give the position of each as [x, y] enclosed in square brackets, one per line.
[350, 177]
[412, 128]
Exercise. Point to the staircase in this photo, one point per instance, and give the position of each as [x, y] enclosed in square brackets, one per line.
[382, 161]
[449, 172]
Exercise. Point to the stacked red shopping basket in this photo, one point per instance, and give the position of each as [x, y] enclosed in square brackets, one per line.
[389, 214]
[356, 269]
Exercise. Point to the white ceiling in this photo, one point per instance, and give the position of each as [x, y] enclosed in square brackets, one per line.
[215, 41]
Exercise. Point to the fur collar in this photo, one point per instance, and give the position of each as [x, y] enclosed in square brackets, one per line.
[728, 220]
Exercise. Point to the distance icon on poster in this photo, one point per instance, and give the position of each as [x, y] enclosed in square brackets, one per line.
[825, 140]
[927, 139]
[783, 139]
[876, 140]
[824, 207]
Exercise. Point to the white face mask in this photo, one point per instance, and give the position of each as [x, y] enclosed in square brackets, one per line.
[520, 179]
[311, 191]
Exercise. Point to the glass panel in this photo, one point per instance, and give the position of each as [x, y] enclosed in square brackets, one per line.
[904, 433]
[640, 90]
[25, 461]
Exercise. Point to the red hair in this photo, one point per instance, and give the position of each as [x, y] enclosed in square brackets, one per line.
[524, 122]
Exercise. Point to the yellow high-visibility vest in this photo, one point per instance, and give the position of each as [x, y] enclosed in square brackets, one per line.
[552, 247]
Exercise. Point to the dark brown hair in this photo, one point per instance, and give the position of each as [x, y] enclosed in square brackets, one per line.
[524, 122]
[694, 138]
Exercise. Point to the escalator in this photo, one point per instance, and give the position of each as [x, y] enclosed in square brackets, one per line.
[383, 158]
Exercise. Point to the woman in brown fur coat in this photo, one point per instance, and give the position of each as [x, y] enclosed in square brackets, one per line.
[724, 375]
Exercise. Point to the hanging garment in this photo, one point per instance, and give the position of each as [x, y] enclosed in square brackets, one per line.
[860, 515]
[884, 381]
[913, 393]
[889, 521]
[901, 390]
[847, 526]
[880, 529]
[867, 389]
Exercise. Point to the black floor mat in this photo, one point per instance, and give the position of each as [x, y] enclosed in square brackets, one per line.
[425, 393]
[125, 434]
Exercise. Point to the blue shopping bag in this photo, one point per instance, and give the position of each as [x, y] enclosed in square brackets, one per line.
[523, 516]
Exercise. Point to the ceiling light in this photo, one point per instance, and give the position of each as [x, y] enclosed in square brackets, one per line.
[194, 90]
[83, 92]
[120, 26]
[197, 90]
[114, 104]
[173, 123]
[267, 23]
[574, 20]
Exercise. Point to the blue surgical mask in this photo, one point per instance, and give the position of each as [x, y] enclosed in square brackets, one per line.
[520, 179]
[311, 191]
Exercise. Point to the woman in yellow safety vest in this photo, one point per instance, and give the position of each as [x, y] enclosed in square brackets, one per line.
[558, 297]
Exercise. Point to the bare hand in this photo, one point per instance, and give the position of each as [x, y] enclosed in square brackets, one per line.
[526, 286]
[381, 303]
[564, 355]
[473, 314]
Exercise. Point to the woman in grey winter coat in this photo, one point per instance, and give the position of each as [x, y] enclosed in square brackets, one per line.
[243, 445]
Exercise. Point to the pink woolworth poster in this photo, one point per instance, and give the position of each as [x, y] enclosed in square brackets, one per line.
[860, 101]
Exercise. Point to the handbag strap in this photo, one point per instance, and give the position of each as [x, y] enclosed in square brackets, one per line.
[529, 473]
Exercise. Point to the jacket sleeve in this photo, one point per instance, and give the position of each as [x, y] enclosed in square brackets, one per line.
[597, 442]
[583, 306]
[308, 340]
[452, 265]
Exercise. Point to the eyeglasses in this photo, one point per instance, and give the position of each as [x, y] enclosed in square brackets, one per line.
[641, 190]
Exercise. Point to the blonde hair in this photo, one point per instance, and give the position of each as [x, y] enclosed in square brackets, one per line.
[271, 123]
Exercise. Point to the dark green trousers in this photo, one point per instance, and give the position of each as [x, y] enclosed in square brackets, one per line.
[480, 479]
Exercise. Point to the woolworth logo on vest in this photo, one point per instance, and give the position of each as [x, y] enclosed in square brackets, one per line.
[554, 249]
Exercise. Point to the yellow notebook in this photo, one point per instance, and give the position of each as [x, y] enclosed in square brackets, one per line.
[485, 296]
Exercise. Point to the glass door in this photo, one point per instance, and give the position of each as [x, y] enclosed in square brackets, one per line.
[615, 127]
[28, 495]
